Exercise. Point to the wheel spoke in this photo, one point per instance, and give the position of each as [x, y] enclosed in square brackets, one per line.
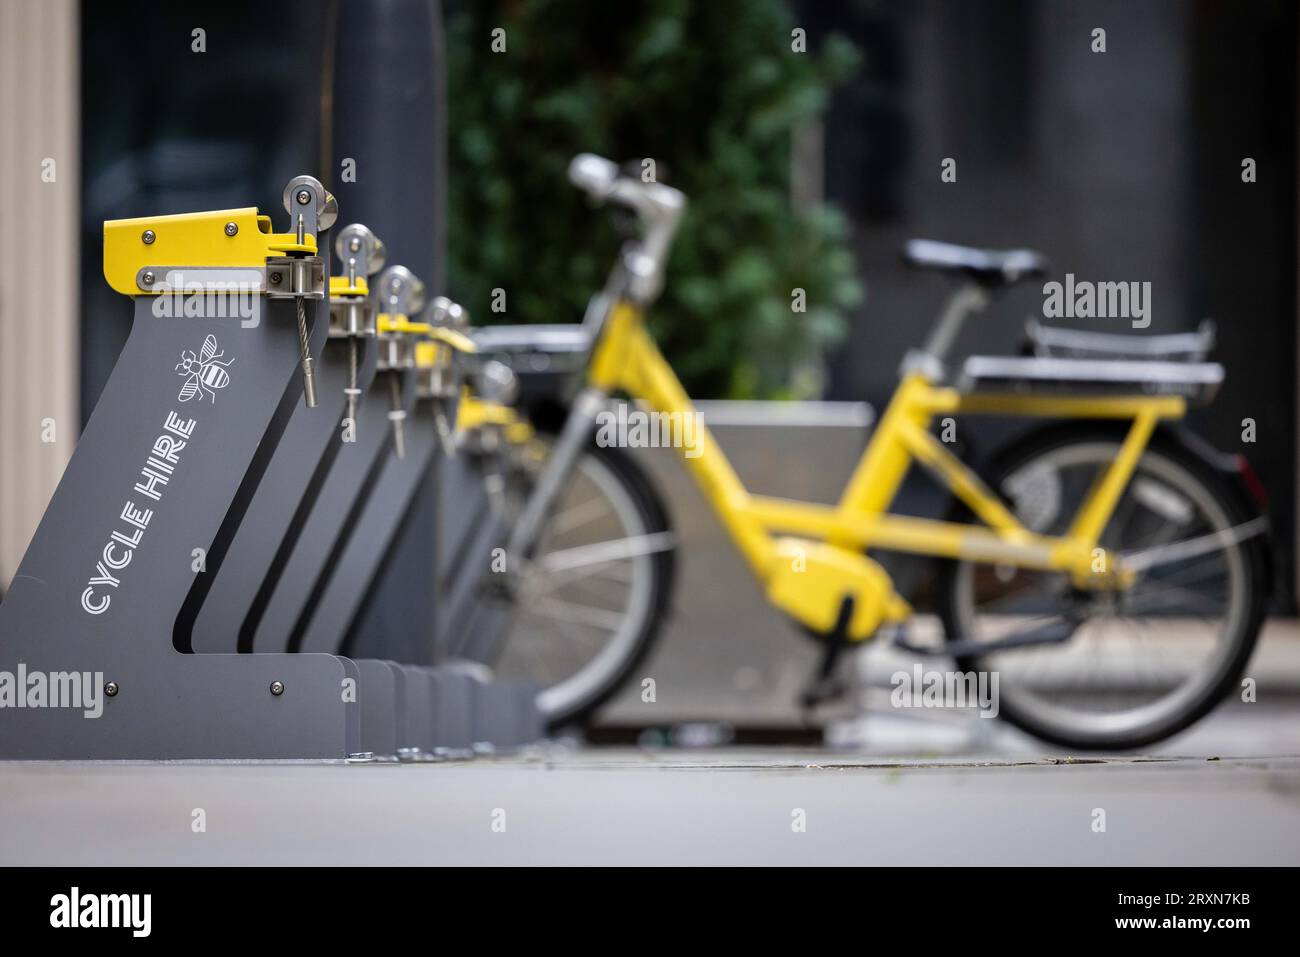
[610, 551]
[574, 614]
[575, 516]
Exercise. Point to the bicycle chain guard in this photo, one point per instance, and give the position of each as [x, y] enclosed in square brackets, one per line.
[810, 580]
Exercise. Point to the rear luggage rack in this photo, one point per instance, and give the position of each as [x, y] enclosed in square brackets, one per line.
[1049, 342]
[1195, 381]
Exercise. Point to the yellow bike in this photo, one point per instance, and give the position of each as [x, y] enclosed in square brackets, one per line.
[1108, 567]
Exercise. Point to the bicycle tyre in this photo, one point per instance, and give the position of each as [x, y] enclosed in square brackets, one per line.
[1239, 644]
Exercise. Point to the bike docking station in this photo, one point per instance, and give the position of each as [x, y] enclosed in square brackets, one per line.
[189, 590]
[476, 712]
[492, 441]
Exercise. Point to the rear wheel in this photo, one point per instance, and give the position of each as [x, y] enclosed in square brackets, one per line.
[1141, 663]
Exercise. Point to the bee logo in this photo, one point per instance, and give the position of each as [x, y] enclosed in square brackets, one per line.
[204, 374]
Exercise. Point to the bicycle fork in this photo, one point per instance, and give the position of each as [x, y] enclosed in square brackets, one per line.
[578, 428]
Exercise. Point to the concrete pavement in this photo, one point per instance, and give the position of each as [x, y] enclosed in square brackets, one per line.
[908, 787]
[595, 806]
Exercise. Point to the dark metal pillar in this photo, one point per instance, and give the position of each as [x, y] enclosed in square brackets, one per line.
[386, 136]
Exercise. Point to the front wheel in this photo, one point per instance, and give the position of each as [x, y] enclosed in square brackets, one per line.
[1142, 663]
[594, 591]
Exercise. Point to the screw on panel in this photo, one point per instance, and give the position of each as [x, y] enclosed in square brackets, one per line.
[147, 279]
[148, 236]
[277, 688]
[232, 228]
[110, 689]
[304, 197]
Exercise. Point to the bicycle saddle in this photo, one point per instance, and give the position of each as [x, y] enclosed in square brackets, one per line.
[991, 268]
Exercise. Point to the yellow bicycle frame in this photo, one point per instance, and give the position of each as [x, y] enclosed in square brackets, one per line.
[626, 359]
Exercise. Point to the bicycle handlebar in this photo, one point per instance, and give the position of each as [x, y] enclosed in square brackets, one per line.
[592, 173]
[658, 207]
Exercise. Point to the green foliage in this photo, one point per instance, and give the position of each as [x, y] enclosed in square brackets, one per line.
[710, 91]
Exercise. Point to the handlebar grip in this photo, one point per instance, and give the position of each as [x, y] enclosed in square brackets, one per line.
[593, 173]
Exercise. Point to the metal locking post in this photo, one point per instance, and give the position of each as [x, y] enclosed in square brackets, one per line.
[400, 295]
[300, 273]
[440, 379]
[352, 308]
[497, 386]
